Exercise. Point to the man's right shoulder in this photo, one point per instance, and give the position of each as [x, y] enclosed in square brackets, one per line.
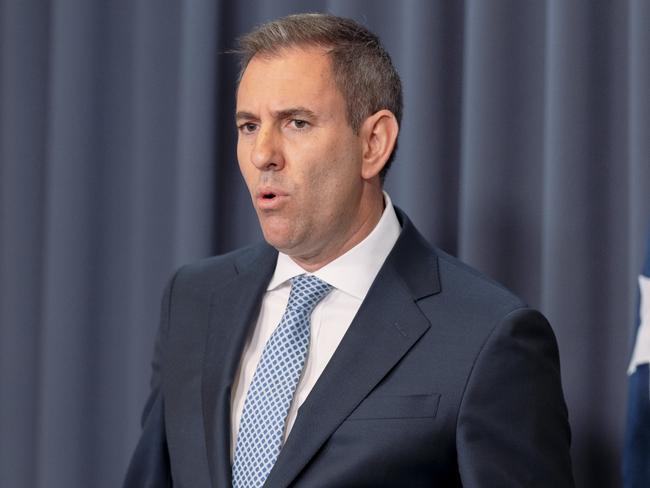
[214, 270]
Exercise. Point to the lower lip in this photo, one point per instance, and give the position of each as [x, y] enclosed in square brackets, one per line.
[271, 203]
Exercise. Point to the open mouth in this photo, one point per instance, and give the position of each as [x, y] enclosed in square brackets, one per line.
[269, 193]
[270, 198]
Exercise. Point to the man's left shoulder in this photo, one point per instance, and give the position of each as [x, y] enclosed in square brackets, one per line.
[418, 260]
[473, 287]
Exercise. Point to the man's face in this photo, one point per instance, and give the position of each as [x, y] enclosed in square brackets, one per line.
[298, 154]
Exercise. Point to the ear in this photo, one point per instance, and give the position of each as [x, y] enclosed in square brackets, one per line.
[378, 135]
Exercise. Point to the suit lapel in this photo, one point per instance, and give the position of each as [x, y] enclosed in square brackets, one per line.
[233, 310]
[387, 325]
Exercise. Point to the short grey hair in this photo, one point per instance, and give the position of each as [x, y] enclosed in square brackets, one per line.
[362, 68]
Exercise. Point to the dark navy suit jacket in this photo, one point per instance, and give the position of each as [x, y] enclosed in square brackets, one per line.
[444, 378]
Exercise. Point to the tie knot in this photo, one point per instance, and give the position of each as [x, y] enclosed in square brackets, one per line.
[306, 292]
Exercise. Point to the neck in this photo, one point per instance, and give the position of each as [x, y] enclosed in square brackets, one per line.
[365, 224]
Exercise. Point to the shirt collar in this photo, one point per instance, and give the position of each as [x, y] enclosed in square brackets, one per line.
[354, 271]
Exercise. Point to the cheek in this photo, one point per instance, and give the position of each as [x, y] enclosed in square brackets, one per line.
[332, 186]
[245, 168]
[342, 169]
[242, 155]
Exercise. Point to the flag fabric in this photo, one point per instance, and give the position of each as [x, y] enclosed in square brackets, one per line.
[636, 457]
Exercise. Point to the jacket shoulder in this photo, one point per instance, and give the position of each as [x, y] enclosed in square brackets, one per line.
[215, 270]
[475, 289]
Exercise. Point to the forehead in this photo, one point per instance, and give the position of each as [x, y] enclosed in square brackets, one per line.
[291, 76]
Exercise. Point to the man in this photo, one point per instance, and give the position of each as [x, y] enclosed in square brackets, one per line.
[344, 351]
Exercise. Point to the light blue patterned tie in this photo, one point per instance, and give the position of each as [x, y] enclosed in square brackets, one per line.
[269, 397]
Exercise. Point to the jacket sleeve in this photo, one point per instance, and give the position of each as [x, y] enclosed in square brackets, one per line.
[149, 466]
[513, 428]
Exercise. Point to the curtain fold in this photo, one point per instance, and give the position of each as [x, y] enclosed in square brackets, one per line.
[524, 150]
[22, 188]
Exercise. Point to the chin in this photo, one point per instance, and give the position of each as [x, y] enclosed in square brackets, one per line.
[277, 238]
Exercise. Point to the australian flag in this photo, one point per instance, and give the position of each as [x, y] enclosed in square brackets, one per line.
[636, 458]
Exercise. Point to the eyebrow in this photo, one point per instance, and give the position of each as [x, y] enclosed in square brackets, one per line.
[244, 116]
[280, 114]
[295, 112]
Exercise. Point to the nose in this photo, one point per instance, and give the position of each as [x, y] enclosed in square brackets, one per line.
[267, 154]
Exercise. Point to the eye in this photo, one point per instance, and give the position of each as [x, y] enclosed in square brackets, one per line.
[300, 124]
[247, 127]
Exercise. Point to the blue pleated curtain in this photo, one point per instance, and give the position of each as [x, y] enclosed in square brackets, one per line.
[525, 150]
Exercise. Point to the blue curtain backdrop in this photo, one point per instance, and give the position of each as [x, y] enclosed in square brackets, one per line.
[525, 150]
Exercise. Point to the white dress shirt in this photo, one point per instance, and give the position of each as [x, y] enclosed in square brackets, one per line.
[350, 276]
